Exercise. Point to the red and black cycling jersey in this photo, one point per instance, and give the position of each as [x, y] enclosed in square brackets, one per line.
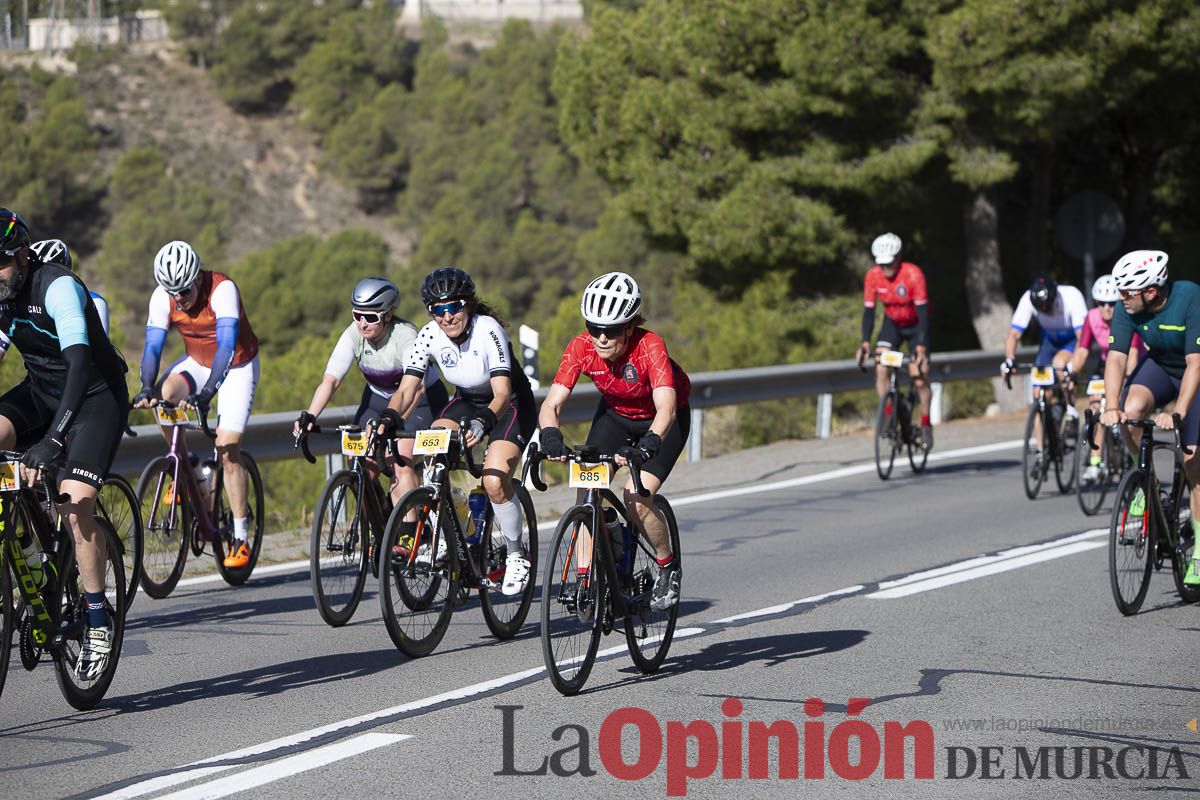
[628, 383]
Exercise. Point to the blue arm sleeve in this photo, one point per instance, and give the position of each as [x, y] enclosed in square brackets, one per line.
[227, 332]
[65, 301]
[151, 354]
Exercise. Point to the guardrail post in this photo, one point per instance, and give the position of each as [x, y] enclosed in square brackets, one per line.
[824, 416]
[937, 397]
[696, 435]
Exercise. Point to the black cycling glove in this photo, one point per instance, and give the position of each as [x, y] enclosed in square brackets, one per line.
[44, 452]
[552, 442]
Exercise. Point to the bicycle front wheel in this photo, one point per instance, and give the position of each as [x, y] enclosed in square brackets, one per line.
[1131, 537]
[572, 594]
[6, 615]
[84, 693]
[1092, 482]
[505, 614]
[417, 585]
[118, 503]
[887, 440]
[224, 541]
[164, 507]
[648, 633]
[338, 549]
[1033, 463]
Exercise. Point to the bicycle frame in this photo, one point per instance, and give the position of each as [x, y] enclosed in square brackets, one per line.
[598, 532]
[180, 458]
[1146, 447]
[44, 631]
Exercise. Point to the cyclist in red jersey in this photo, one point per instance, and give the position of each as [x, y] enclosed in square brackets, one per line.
[644, 399]
[221, 352]
[900, 286]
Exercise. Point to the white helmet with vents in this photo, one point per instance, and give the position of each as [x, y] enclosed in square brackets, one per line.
[885, 248]
[1104, 290]
[176, 267]
[612, 299]
[52, 251]
[1139, 269]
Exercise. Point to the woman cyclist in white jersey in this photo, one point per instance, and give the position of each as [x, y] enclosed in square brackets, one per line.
[378, 341]
[466, 339]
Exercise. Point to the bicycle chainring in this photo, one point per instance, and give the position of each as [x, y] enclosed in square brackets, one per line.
[31, 652]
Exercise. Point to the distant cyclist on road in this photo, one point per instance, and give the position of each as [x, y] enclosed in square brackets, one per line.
[900, 286]
[221, 352]
[643, 397]
[1167, 316]
[378, 341]
[467, 341]
[1096, 331]
[55, 251]
[73, 402]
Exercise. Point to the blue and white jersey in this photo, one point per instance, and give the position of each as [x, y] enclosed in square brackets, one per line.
[1061, 326]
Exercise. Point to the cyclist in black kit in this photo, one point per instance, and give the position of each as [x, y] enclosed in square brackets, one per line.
[73, 403]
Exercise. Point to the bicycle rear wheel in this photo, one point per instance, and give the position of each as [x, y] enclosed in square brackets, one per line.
[887, 440]
[1090, 490]
[223, 542]
[84, 693]
[167, 513]
[6, 615]
[918, 453]
[505, 614]
[118, 503]
[1064, 455]
[338, 549]
[1131, 537]
[416, 588]
[648, 633]
[572, 594]
[1185, 542]
[1033, 471]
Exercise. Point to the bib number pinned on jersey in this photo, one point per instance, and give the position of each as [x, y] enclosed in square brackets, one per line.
[590, 476]
[1042, 376]
[354, 444]
[431, 443]
[1095, 388]
[891, 358]
[10, 476]
[171, 416]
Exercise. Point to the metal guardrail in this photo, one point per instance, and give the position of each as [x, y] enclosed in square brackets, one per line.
[269, 436]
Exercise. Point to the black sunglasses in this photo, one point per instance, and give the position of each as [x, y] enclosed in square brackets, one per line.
[451, 307]
[611, 331]
[370, 317]
[1107, 305]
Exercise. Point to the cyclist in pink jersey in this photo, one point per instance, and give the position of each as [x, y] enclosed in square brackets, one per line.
[1096, 331]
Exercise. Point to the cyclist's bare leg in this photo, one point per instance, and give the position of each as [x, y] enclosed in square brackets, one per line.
[174, 389]
[229, 450]
[1061, 359]
[646, 517]
[1098, 433]
[8, 434]
[89, 542]
[1139, 402]
[404, 477]
[881, 374]
[924, 392]
[498, 467]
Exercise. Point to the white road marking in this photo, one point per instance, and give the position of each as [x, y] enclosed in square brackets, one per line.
[784, 607]
[286, 767]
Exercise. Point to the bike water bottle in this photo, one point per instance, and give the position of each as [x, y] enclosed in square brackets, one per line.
[463, 512]
[613, 525]
[478, 503]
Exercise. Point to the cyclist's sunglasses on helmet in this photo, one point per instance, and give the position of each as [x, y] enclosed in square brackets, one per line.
[611, 331]
[369, 317]
[449, 307]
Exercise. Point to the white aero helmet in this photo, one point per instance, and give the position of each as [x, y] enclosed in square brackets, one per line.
[176, 266]
[1104, 290]
[1139, 269]
[885, 248]
[52, 251]
[612, 299]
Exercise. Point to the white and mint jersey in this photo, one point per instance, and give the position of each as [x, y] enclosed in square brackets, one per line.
[382, 365]
[470, 366]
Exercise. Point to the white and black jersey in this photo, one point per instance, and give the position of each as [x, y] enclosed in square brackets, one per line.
[470, 366]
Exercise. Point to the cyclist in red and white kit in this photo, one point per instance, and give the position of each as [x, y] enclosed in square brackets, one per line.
[900, 286]
[644, 399]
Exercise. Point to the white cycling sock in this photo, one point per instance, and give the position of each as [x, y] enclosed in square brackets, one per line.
[508, 517]
[240, 528]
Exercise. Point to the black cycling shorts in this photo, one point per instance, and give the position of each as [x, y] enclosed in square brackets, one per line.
[511, 426]
[891, 335]
[1165, 388]
[611, 431]
[92, 439]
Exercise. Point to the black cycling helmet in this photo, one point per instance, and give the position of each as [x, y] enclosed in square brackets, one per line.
[446, 283]
[1042, 293]
[14, 233]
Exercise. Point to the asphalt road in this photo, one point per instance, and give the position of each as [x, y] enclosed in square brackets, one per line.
[978, 622]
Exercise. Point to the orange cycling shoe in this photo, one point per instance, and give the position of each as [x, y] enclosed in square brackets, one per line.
[240, 556]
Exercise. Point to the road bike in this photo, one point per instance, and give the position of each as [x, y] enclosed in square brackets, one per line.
[179, 508]
[1048, 416]
[427, 575]
[51, 619]
[594, 581]
[894, 429]
[348, 526]
[1093, 482]
[1151, 523]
